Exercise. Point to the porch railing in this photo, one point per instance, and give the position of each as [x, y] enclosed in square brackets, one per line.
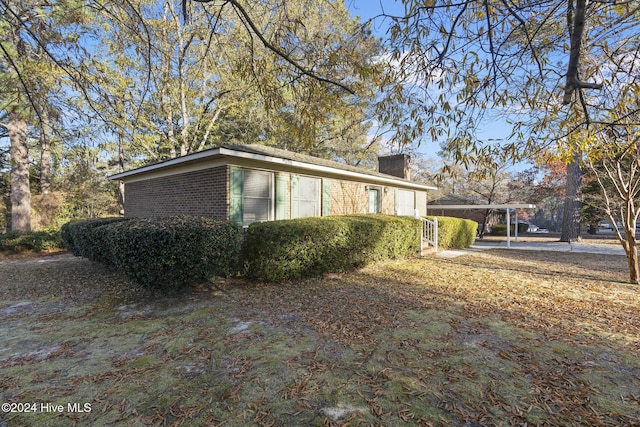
[429, 234]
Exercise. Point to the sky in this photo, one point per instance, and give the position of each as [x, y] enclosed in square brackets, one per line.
[370, 9]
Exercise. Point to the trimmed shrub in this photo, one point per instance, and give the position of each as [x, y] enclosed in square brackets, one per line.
[169, 253]
[501, 229]
[455, 233]
[307, 247]
[37, 241]
[78, 237]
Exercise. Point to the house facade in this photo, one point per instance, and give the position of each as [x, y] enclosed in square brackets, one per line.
[257, 183]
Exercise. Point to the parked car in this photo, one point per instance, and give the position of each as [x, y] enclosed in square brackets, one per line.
[606, 227]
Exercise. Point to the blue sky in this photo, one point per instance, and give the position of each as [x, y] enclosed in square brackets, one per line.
[368, 9]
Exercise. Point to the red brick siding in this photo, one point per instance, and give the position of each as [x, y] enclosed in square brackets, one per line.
[202, 192]
[206, 192]
[348, 198]
[388, 201]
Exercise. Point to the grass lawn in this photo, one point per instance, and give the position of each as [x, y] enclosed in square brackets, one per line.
[491, 338]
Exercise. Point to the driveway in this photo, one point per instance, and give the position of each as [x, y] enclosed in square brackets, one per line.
[581, 247]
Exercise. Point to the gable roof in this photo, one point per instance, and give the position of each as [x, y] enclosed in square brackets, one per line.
[275, 157]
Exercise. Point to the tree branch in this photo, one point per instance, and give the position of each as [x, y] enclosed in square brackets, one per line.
[238, 7]
[27, 91]
[576, 30]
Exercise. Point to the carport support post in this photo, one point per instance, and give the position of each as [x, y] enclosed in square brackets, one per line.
[508, 228]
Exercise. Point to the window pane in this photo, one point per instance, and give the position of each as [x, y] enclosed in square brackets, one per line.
[257, 184]
[308, 197]
[257, 200]
[308, 208]
[405, 202]
[256, 210]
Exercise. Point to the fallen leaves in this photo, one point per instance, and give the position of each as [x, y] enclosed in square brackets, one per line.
[494, 338]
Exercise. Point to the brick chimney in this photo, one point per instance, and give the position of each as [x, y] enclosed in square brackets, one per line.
[396, 165]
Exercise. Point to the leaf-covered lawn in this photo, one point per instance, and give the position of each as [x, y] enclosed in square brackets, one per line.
[493, 338]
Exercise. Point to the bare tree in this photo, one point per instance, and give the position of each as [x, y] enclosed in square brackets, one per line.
[618, 175]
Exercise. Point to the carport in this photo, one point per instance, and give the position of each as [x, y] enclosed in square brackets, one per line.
[505, 206]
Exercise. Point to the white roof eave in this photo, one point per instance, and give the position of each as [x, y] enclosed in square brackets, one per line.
[222, 151]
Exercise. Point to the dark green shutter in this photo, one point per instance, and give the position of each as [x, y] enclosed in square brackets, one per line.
[281, 197]
[326, 197]
[396, 203]
[236, 184]
[295, 197]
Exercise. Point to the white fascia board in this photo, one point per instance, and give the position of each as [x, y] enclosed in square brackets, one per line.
[166, 163]
[327, 169]
[493, 206]
[222, 151]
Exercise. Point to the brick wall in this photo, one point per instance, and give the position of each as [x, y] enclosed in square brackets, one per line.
[396, 165]
[421, 202]
[348, 198]
[205, 192]
[388, 202]
[352, 198]
[202, 192]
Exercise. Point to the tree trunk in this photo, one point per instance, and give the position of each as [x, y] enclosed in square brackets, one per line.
[630, 235]
[484, 223]
[632, 255]
[171, 136]
[45, 153]
[572, 202]
[20, 190]
[121, 194]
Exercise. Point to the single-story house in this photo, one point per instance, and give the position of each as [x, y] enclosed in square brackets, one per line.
[248, 183]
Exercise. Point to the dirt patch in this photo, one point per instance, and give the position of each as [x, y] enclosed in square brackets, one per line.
[491, 338]
[6, 257]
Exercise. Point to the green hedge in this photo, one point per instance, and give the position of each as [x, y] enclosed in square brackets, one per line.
[165, 253]
[501, 229]
[37, 241]
[306, 247]
[455, 233]
[79, 240]
[175, 251]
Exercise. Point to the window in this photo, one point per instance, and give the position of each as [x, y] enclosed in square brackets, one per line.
[405, 202]
[374, 200]
[305, 196]
[251, 196]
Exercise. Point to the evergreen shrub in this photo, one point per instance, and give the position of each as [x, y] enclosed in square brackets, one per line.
[455, 233]
[501, 229]
[165, 253]
[78, 237]
[37, 241]
[172, 252]
[307, 247]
